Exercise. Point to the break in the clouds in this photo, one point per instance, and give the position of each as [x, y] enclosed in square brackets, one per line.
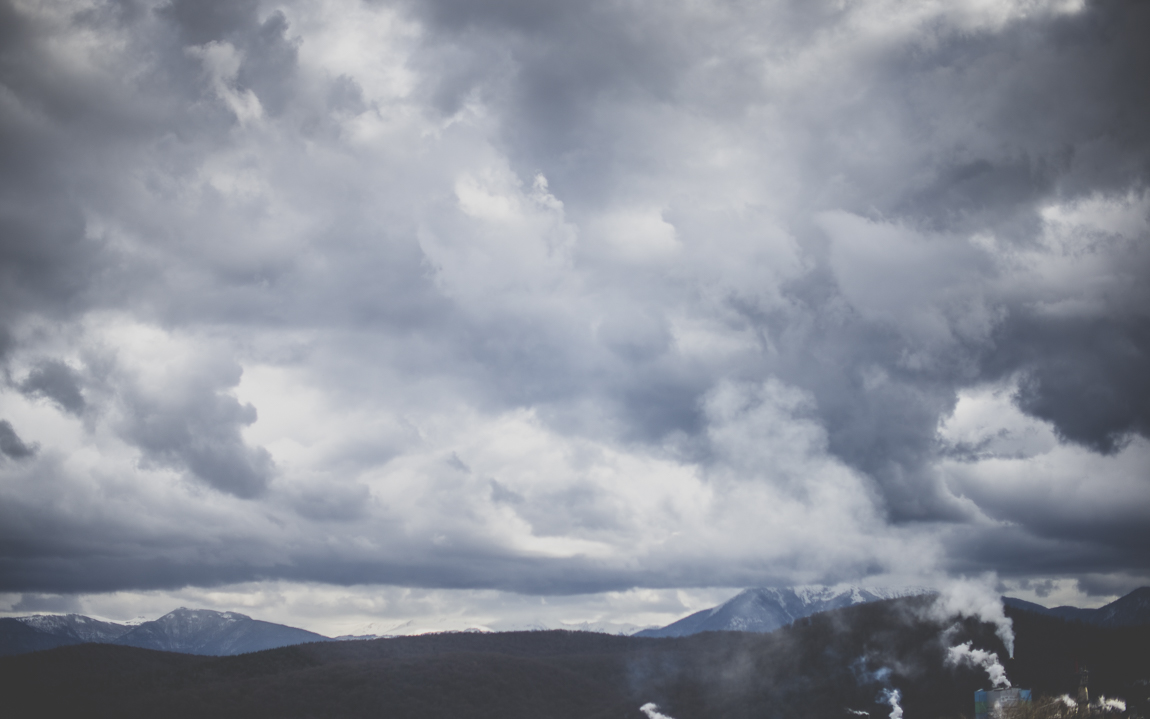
[568, 298]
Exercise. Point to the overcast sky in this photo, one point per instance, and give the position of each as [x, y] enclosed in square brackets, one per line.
[341, 311]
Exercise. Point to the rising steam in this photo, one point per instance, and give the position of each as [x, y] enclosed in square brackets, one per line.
[652, 711]
[964, 654]
[1103, 704]
[976, 598]
[1111, 705]
[891, 696]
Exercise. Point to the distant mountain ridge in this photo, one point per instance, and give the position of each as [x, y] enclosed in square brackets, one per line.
[765, 609]
[212, 633]
[817, 668]
[85, 629]
[189, 631]
[203, 631]
[1129, 611]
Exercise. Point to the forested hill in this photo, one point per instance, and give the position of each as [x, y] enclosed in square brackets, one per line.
[819, 667]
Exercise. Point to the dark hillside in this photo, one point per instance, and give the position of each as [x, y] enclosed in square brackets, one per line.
[819, 667]
[544, 674]
[18, 638]
[1050, 650]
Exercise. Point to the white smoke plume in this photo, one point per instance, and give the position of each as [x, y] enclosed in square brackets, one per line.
[892, 696]
[964, 654]
[1070, 703]
[976, 598]
[652, 711]
[1110, 705]
[862, 676]
[858, 712]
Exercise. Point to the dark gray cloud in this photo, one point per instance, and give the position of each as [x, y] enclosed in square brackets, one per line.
[839, 281]
[51, 603]
[198, 429]
[1109, 585]
[204, 22]
[11, 444]
[56, 381]
[1086, 376]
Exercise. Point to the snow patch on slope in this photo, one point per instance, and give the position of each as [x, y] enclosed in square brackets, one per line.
[765, 609]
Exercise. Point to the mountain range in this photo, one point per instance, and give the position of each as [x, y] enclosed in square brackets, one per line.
[208, 632]
[833, 665]
[760, 610]
[189, 631]
[766, 609]
[1128, 611]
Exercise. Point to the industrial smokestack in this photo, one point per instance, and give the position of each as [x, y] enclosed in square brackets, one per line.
[1083, 691]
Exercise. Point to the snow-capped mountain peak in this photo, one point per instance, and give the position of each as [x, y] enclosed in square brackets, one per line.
[765, 609]
[205, 631]
[193, 631]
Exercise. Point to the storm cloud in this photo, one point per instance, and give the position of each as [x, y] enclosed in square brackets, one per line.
[564, 298]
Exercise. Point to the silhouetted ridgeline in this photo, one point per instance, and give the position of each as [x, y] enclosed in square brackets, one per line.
[1128, 611]
[817, 668]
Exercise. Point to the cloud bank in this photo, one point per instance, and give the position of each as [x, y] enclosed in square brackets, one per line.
[565, 298]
